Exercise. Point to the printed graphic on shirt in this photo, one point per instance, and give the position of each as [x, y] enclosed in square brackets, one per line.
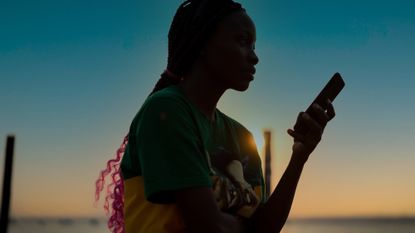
[232, 192]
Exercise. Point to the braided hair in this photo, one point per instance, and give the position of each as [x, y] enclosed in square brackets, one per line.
[192, 26]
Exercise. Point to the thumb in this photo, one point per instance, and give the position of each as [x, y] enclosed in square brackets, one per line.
[295, 135]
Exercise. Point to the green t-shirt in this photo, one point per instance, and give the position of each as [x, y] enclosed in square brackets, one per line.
[172, 146]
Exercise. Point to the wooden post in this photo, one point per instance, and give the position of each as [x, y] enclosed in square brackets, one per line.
[267, 137]
[7, 179]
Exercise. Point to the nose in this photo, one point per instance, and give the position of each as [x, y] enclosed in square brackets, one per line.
[253, 58]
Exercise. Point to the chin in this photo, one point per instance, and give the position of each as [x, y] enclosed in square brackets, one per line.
[241, 87]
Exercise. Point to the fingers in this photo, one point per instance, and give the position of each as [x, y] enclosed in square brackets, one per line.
[330, 110]
[315, 129]
[295, 135]
[314, 120]
[323, 116]
[299, 125]
[311, 126]
[319, 114]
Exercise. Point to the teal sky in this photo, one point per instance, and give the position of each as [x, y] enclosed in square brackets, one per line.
[74, 73]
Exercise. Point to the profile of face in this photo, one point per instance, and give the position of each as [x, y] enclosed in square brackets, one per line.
[229, 55]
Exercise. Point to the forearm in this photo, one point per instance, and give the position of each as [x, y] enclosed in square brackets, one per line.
[201, 213]
[230, 224]
[273, 215]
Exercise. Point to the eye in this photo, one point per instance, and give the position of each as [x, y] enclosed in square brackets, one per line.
[243, 41]
[246, 42]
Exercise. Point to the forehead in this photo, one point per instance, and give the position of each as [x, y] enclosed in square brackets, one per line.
[237, 22]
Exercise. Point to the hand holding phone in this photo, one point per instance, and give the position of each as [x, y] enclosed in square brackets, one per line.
[329, 92]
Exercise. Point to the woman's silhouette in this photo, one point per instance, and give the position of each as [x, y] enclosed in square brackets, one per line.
[188, 167]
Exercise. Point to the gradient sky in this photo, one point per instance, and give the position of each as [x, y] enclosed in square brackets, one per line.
[74, 73]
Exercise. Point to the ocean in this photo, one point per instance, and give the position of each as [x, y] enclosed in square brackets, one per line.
[327, 225]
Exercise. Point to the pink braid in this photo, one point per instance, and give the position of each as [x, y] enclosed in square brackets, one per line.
[114, 191]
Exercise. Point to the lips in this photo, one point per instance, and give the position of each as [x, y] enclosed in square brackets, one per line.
[249, 72]
[252, 70]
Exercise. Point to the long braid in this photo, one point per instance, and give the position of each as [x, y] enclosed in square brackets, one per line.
[115, 190]
[191, 27]
[176, 28]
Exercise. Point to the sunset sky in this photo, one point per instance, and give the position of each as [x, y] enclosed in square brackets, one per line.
[74, 73]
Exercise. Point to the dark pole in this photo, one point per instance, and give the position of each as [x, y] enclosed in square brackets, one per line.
[267, 136]
[7, 179]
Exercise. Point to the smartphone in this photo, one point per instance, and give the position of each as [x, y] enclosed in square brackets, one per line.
[330, 91]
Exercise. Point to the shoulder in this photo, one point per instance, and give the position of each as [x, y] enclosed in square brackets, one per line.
[167, 96]
[168, 101]
[166, 108]
[244, 137]
[237, 126]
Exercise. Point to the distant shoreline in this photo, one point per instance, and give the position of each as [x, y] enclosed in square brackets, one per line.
[355, 219]
[303, 219]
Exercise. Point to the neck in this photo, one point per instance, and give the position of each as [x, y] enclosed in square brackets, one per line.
[202, 91]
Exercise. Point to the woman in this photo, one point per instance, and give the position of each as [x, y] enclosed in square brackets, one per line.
[187, 167]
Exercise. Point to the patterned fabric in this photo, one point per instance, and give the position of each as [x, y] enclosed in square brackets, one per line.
[173, 146]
